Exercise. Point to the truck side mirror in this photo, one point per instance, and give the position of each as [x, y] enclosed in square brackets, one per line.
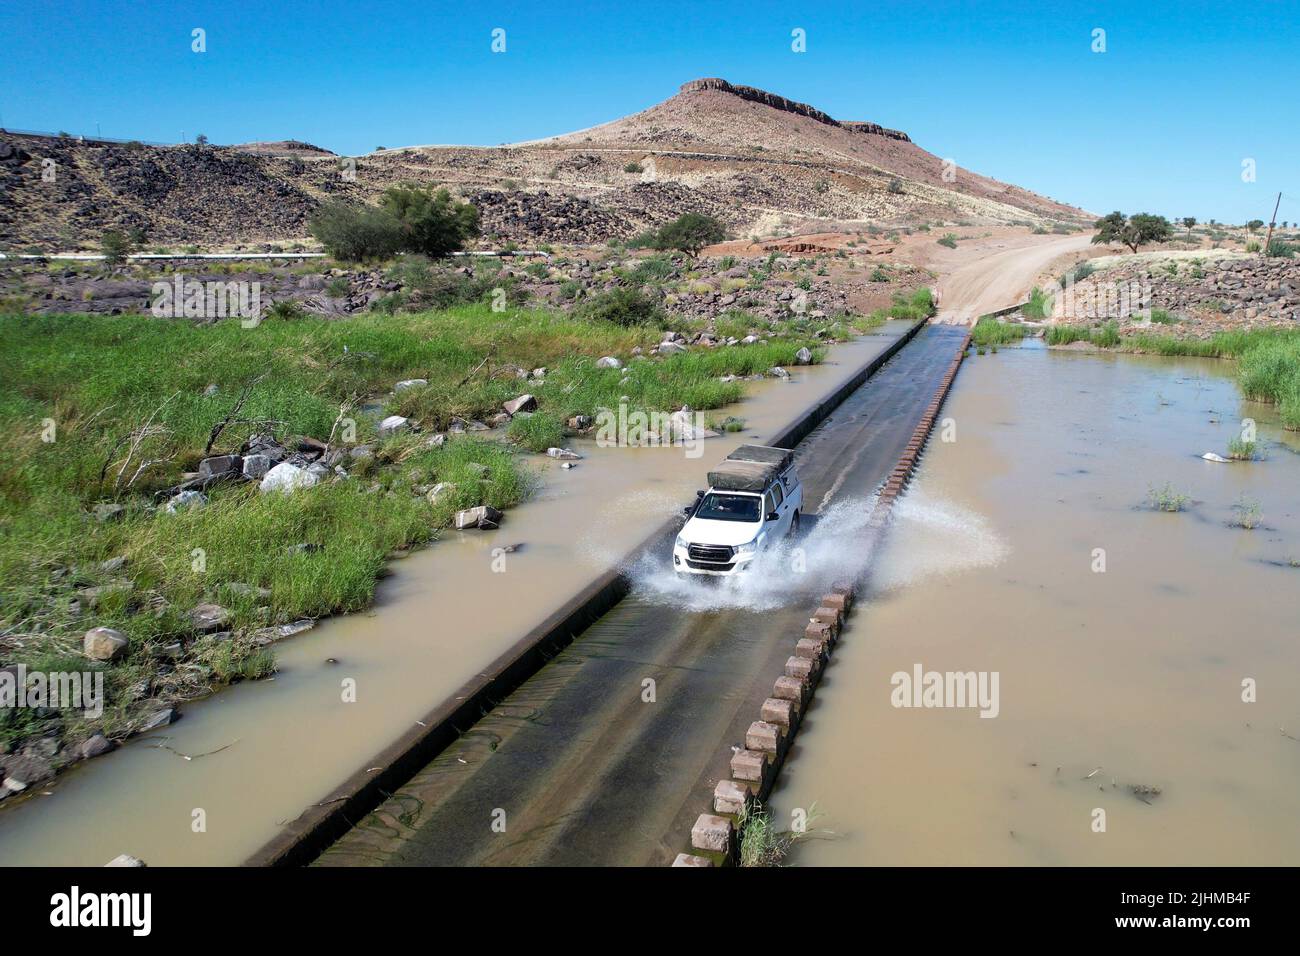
[772, 516]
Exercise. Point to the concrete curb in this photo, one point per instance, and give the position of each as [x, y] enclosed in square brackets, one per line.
[717, 834]
[302, 840]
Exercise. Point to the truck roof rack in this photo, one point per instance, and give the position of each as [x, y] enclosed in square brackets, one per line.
[750, 468]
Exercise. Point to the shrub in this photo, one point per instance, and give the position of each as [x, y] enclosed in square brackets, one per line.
[896, 186]
[433, 223]
[632, 168]
[878, 274]
[622, 305]
[356, 233]
[949, 239]
[1280, 249]
[689, 233]
[116, 246]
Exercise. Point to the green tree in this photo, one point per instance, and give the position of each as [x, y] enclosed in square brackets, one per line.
[1133, 231]
[433, 224]
[1189, 222]
[1253, 225]
[689, 233]
[116, 246]
[354, 233]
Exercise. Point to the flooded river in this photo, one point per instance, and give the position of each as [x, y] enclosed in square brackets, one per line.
[1120, 635]
[444, 613]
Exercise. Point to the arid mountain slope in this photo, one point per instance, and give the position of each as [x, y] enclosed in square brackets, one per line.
[763, 164]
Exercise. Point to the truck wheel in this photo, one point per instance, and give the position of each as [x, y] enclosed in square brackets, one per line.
[794, 525]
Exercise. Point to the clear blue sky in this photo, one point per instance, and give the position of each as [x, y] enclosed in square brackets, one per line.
[1161, 121]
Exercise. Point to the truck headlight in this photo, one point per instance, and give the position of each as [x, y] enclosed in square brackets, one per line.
[746, 549]
[681, 542]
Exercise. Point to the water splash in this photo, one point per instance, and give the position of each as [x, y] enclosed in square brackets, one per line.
[941, 538]
[833, 546]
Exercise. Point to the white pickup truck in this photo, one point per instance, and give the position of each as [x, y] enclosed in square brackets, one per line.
[753, 501]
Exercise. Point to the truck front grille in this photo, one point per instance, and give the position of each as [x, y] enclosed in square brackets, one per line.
[711, 553]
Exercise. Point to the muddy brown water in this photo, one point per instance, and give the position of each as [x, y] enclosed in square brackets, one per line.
[1136, 670]
[442, 614]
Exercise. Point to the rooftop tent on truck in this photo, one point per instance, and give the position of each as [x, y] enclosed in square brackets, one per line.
[750, 468]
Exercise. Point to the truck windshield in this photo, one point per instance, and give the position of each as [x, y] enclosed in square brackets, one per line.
[717, 506]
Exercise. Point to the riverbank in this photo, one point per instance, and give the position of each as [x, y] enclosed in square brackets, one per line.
[177, 497]
[429, 632]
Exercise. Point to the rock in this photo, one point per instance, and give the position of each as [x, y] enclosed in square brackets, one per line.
[524, 403]
[23, 770]
[484, 517]
[803, 357]
[113, 564]
[94, 597]
[185, 501]
[287, 478]
[670, 348]
[608, 361]
[436, 441]
[580, 422]
[361, 452]
[160, 718]
[408, 383]
[221, 466]
[208, 617]
[439, 491]
[94, 746]
[393, 424]
[256, 466]
[269, 635]
[563, 454]
[778, 372]
[750, 340]
[477, 470]
[211, 391]
[125, 859]
[503, 418]
[540, 372]
[104, 644]
[108, 511]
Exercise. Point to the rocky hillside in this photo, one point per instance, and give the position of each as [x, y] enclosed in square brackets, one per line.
[762, 163]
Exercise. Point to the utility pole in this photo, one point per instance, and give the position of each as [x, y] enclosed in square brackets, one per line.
[1271, 223]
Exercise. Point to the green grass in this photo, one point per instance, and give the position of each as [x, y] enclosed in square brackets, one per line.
[1166, 498]
[989, 331]
[89, 382]
[1104, 336]
[919, 305]
[1039, 305]
[1239, 449]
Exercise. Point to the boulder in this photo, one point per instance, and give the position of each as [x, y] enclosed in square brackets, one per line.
[439, 491]
[160, 718]
[287, 478]
[803, 357]
[208, 617]
[393, 424]
[524, 403]
[94, 746]
[484, 517]
[185, 501]
[255, 467]
[409, 383]
[104, 644]
[608, 361]
[221, 466]
[563, 454]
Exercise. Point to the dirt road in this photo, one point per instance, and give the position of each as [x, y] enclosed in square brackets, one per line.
[1001, 277]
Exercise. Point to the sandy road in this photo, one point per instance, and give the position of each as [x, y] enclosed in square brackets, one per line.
[1000, 278]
